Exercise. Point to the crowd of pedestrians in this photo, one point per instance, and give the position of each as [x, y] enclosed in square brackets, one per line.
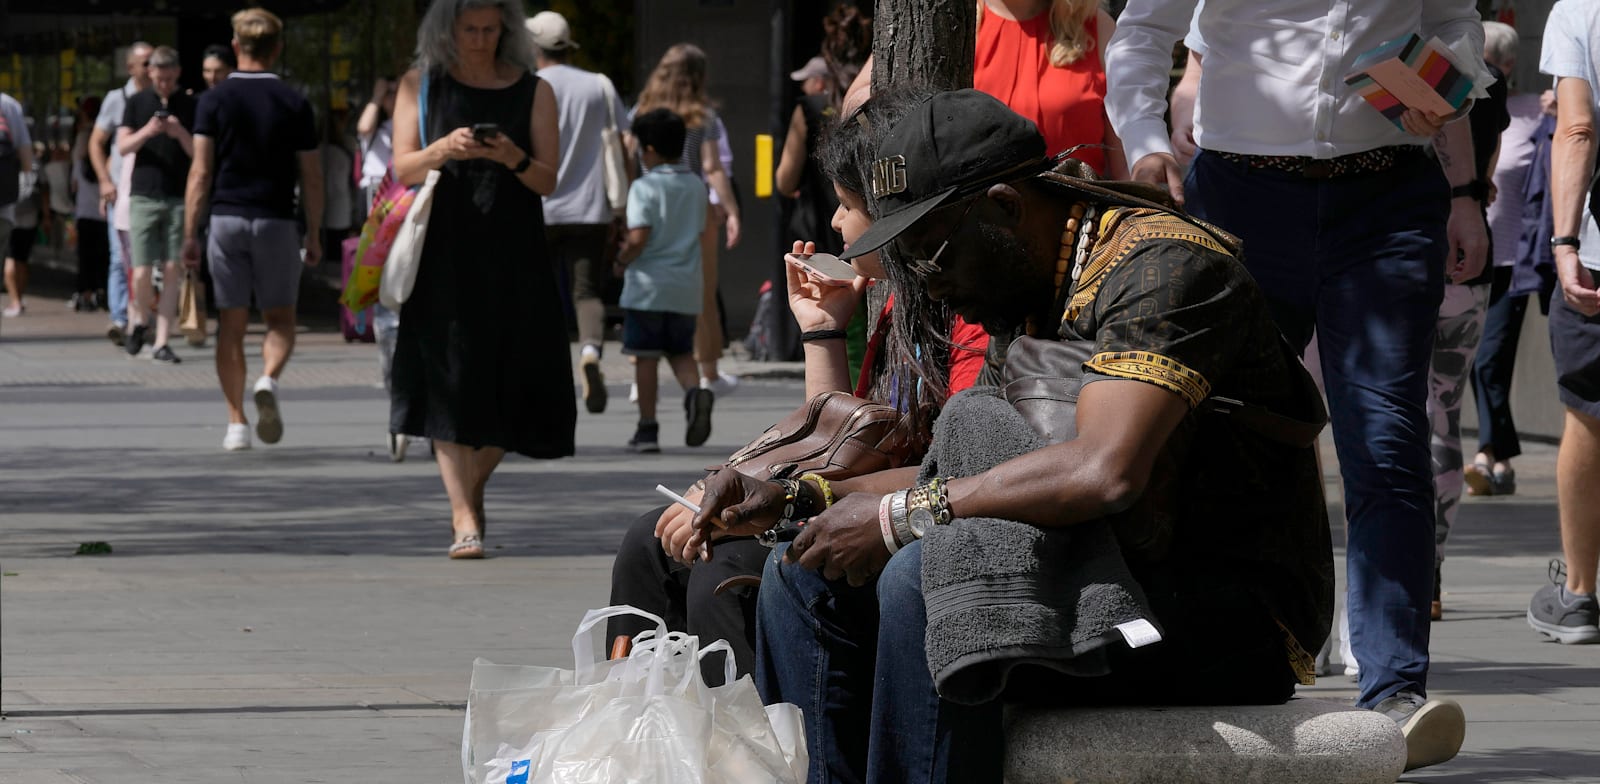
[1397, 255]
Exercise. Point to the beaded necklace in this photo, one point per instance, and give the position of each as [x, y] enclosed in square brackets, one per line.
[1077, 239]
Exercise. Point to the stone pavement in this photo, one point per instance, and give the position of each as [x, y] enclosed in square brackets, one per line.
[287, 615]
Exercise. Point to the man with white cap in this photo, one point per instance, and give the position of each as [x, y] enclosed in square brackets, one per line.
[813, 76]
[578, 216]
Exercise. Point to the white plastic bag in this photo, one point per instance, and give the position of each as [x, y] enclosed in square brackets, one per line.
[405, 255]
[647, 718]
[612, 154]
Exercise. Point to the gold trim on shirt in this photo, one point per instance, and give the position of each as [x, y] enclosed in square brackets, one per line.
[1163, 371]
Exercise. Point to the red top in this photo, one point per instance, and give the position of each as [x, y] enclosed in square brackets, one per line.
[965, 363]
[1068, 104]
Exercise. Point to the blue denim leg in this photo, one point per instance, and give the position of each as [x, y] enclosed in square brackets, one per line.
[1360, 259]
[815, 646]
[917, 737]
[117, 278]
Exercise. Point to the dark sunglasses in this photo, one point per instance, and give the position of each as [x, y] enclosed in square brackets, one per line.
[927, 266]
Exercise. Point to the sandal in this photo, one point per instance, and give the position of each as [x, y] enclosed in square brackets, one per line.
[1480, 478]
[469, 548]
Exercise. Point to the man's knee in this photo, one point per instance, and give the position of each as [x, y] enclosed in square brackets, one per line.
[900, 584]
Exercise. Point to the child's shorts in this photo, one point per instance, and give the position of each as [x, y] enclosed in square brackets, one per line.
[656, 333]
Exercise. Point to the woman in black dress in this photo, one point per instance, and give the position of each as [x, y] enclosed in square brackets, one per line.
[481, 363]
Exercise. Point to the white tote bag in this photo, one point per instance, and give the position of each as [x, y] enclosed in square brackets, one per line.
[648, 718]
[612, 154]
[405, 256]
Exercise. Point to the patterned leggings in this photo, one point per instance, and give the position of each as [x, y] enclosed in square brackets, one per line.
[1455, 343]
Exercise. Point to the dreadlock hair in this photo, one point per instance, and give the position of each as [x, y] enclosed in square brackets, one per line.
[915, 376]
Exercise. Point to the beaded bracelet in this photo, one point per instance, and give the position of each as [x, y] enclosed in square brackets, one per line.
[822, 484]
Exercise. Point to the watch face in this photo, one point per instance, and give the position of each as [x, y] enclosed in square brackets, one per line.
[921, 520]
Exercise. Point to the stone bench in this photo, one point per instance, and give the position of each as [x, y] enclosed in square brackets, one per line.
[1305, 741]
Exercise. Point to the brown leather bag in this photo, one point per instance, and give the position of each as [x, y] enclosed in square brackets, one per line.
[834, 435]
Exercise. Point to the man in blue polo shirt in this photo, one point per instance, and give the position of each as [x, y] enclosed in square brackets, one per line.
[252, 133]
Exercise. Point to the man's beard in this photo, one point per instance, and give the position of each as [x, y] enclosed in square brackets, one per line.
[1015, 290]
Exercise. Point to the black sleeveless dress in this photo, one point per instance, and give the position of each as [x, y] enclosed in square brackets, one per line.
[481, 358]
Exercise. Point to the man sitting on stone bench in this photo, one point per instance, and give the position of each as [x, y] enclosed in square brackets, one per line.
[1175, 551]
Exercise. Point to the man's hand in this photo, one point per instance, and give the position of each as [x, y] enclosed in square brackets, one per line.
[1577, 281]
[108, 197]
[313, 246]
[731, 224]
[155, 127]
[1469, 241]
[191, 253]
[735, 505]
[1161, 169]
[1421, 123]
[844, 541]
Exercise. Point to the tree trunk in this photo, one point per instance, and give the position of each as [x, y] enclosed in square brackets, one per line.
[927, 42]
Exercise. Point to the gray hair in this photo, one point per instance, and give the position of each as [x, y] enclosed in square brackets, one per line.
[436, 42]
[164, 57]
[1499, 42]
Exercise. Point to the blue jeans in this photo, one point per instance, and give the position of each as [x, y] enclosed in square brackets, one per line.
[117, 278]
[836, 650]
[1359, 260]
[854, 660]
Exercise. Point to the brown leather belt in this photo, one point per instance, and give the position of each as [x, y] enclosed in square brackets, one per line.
[1365, 162]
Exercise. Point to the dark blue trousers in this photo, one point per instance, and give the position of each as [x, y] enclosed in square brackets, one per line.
[1359, 261]
[1494, 366]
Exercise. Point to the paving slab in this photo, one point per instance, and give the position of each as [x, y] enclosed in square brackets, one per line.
[287, 615]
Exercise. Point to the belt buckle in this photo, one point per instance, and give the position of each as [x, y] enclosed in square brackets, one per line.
[1317, 170]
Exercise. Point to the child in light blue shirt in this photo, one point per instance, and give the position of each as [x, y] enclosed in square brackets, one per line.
[661, 288]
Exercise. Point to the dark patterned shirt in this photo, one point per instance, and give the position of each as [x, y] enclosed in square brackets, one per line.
[1227, 512]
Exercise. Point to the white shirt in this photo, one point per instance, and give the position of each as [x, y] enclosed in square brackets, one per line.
[110, 117]
[1274, 72]
[376, 153]
[585, 104]
[1571, 50]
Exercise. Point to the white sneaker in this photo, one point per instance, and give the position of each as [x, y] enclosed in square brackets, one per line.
[633, 392]
[723, 385]
[269, 423]
[238, 437]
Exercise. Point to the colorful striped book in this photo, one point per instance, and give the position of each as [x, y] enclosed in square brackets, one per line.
[1408, 73]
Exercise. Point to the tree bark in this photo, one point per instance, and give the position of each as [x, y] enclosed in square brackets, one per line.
[927, 42]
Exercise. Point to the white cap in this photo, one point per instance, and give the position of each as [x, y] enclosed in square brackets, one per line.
[816, 66]
[550, 31]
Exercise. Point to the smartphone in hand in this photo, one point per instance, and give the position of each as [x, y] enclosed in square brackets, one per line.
[827, 266]
[483, 132]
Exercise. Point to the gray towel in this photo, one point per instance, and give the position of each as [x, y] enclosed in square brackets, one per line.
[1001, 593]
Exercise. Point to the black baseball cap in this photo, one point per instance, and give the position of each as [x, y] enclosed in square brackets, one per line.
[950, 146]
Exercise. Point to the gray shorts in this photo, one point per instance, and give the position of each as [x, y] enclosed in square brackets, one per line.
[254, 255]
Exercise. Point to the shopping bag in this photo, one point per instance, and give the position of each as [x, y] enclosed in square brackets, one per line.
[647, 718]
[389, 208]
[405, 255]
[192, 309]
[612, 155]
[355, 325]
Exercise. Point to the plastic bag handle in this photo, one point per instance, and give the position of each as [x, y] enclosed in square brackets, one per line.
[730, 668]
[583, 647]
[661, 650]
